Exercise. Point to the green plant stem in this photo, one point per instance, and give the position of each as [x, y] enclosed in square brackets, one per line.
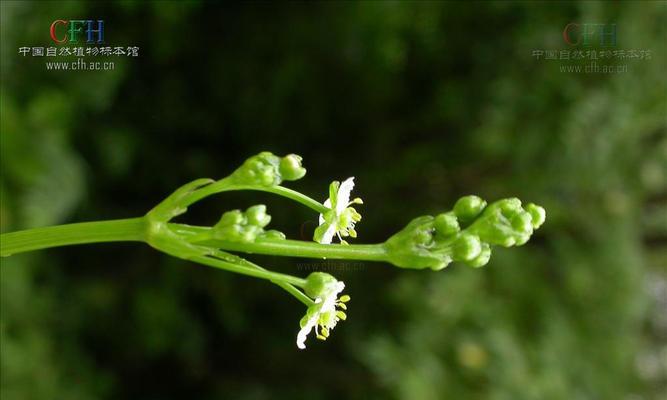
[274, 277]
[299, 295]
[120, 230]
[292, 248]
[132, 229]
[289, 288]
[226, 185]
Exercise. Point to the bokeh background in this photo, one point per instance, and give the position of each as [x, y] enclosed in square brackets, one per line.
[422, 103]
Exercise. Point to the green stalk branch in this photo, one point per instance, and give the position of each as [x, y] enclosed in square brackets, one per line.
[286, 286]
[132, 229]
[225, 185]
[246, 270]
[284, 247]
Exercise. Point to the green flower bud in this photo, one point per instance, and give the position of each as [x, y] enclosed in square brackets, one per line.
[268, 177]
[446, 224]
[468, 208]
[483, 257]
[466, 247]
[251, 232]
[493, 225]
[232, 233]
[257, 216]
[236, 226]
[510, 206]
[411, 247]
[234, 217]
[521, 221]
[503, 224]
[266, 169]
[290, 167]
[537, 214]
[260, 170]
[318, 284]
[442, 263]
[423, 237]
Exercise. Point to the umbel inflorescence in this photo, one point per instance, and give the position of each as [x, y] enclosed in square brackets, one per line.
[465, 234]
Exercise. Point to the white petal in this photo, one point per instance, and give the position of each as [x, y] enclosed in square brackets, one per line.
[303, 333]
[330, 300]
[340, 286]
[329, 234]
[343, 197]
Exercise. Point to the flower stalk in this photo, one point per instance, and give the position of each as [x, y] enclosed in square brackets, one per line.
[465, 234]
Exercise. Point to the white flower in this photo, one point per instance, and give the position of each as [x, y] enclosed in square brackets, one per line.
[341, 218]
[323, 314]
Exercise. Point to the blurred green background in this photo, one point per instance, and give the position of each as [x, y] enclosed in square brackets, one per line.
[422, 103]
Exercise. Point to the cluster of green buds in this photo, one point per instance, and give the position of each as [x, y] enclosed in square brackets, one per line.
[244, 227]
[464, 234]
[267, 169]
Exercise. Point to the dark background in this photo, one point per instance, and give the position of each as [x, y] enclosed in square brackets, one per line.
[422, 103]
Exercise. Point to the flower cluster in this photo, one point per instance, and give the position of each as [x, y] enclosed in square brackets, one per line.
[464, 234]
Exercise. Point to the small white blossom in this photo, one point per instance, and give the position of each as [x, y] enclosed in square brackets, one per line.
[341, 218]
[323, 315]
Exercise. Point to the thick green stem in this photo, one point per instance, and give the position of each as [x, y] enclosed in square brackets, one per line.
[120, 230]
[132, 229]
[292, 248]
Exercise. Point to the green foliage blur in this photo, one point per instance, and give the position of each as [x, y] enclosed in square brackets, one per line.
[422, 103]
